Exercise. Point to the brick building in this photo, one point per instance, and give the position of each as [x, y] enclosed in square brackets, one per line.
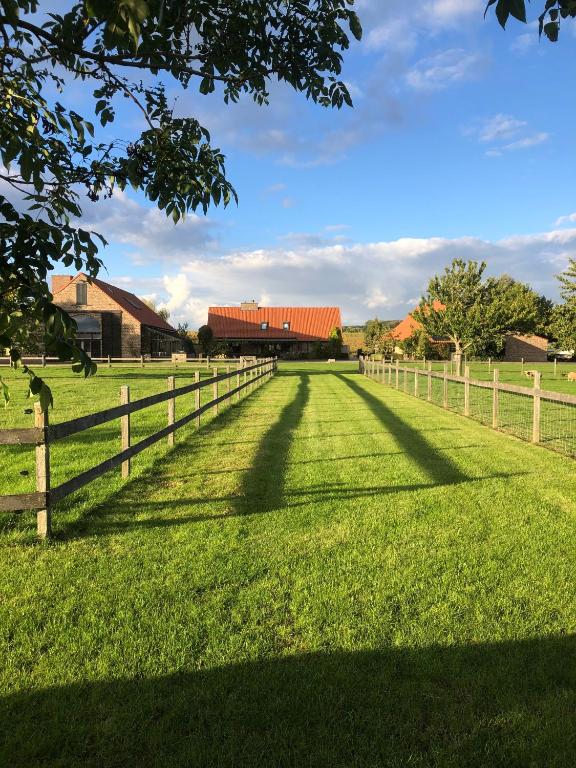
[281, 331]
[534, 349]
[112, 321]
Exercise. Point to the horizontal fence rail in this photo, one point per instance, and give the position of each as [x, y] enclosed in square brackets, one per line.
[43, 434]
[141, 360]
[530, 413]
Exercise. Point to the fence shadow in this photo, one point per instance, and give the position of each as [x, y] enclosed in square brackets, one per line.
[475, 706]
[439, 468]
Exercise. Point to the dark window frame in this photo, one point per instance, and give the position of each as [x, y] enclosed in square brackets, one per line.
[286, 325]
[264, 325]
[82, 293]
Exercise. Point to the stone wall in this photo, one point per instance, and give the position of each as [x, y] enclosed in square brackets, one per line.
[533, 349]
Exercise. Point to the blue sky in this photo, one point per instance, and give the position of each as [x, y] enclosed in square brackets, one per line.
[459, 144]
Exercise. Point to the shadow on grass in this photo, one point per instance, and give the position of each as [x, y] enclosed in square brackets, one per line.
[484, 705]
[439, 468]
[263, 486]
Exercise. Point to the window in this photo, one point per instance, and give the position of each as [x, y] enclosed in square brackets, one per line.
[264, 326]
[81, 293]
[286, 325]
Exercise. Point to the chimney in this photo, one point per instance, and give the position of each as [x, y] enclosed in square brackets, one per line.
[249, 306]
[59, 282]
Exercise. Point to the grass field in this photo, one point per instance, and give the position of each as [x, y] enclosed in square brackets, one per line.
[511, 373]
[331, 573]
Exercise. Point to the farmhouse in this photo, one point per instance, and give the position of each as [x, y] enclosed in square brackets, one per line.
[407, 327]
[281, 331]
[531, 349]
[112, 321]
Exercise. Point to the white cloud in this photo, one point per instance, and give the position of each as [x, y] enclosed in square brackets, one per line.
[364, 279]
[571, 217]
[528, 141]
[444, 69]
[500, 129]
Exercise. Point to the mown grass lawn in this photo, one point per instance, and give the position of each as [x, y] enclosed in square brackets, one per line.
[331, 573]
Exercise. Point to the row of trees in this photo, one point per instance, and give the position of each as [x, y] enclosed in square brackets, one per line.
[465, 312]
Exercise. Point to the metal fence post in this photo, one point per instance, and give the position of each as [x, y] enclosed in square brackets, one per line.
[467, 390]
[495, 399]
[415, 382]
[536, 408]
[125, 430]
[171, 409]
[397, 374]
[197, 398]
[445, 386]
[43, 516]
[429, 382]
[405, 369]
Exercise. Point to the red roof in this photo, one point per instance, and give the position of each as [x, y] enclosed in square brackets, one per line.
[306, 323]
[129, 302]
[406, 327]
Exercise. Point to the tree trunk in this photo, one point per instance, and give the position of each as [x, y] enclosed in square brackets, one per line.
[458, 358]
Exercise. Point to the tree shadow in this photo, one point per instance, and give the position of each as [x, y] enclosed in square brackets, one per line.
[439, 468]
[263, 486]
[486, 705]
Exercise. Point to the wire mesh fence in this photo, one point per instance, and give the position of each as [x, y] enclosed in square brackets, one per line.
[529, 413]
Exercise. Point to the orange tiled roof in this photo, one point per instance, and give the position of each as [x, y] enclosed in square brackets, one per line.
[406, 327]
[306, 323]
[128, 302]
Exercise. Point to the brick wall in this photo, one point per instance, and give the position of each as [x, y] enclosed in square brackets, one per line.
[98, 301]
[532, 348]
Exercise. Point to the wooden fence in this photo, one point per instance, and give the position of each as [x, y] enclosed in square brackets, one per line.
[45, 361]
[43, 434]
[531, 413]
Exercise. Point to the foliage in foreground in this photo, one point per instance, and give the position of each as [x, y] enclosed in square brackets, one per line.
[52, 156]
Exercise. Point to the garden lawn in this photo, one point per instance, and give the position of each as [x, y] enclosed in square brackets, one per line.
[331, 573]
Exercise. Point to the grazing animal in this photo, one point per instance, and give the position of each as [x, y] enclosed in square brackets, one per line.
[530, 374]
[572, 376]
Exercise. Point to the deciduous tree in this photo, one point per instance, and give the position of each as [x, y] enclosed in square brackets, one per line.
[52, 156]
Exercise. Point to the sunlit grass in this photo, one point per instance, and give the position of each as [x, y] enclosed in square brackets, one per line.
[329, 574]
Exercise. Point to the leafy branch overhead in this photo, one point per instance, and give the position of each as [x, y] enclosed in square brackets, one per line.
[548, 21]
[52, 157]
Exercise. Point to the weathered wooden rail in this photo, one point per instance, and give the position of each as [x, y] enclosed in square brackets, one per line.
[560, 431]
[43, 434]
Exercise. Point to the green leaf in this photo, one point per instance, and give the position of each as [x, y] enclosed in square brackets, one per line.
[355, 26]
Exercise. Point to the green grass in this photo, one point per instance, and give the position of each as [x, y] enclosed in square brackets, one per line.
[331, 573]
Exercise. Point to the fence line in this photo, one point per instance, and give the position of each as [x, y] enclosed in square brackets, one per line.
[141, 360]
[42, 435]
[530, 413]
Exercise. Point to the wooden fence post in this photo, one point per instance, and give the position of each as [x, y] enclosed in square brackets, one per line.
[43, 516]
[405, 378]
[215, 389]
[125, 430]
[445, 386]
[238, 383]
[390, 373]
[171, 409]
[43, 361]
[197, 398]
[228, 379]
[522, 369]
[397, 374]
[467, 390]
[141, 361]
[244, 377]
[109, 362]
[415, 382]
[555, 364]
[489, 364]
[495, 399]
[536, 409]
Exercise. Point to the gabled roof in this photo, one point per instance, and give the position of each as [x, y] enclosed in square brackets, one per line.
[129, 302]
[306, 323]
[406, 327]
